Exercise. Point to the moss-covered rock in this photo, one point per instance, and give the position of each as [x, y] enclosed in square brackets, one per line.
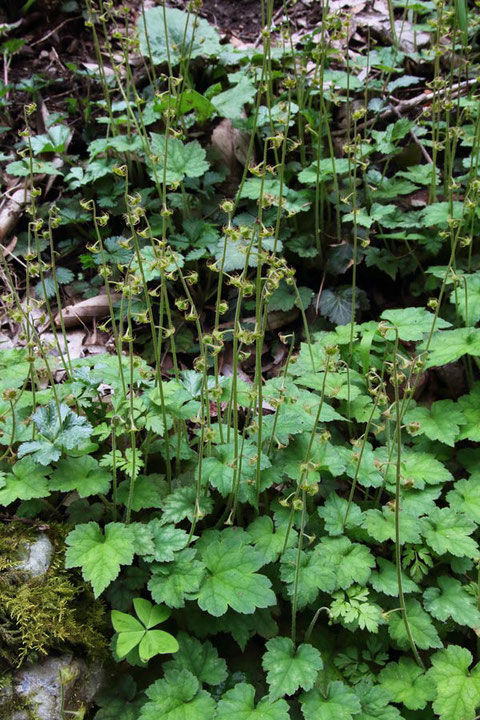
[41, 613]
[50, 690]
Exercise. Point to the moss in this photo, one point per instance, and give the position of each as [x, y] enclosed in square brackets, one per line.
[56, 611]
[10, 705]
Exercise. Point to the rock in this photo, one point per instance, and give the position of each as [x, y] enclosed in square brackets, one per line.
[36, 556]
[36, 690]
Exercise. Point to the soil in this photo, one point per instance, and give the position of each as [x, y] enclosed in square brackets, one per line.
[242, 18]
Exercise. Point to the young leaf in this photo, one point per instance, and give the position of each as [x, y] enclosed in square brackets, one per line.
[26, 481]
[470, 406]
[385, 580]
[465, 497]
[333, 513]
[167, 539]
[177, 696]
[351, 562]
[173, 34]
[421, 626]
[171, 583]
[268, 540]
[447, 531]
[239, 703]
[99, 555]
[339, 703]
[201, 659]
[289, 668]
[354, 609]
[442, 422]
[451, 600]
[181, 504]
[82, 474]
[407, 683]
[231, 579]
[449, 345]
[458, 689]
[411, 323]
[182, 160]
[314, 575]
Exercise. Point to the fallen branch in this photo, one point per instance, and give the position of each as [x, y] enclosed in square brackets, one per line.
[404, 106]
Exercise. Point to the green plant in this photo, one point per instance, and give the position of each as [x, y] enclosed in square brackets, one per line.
[278, 452]
[139, 634]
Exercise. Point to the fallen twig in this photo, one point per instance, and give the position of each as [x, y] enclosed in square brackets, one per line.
[405, 105]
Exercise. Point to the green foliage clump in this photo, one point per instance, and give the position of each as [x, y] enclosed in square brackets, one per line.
[277, 458]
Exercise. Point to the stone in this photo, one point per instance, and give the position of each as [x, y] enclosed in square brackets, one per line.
[36, 556]
[36, 690]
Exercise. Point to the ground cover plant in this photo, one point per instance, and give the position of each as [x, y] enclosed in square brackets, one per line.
[239, 380]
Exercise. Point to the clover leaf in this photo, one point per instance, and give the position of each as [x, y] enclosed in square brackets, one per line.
[133, 632]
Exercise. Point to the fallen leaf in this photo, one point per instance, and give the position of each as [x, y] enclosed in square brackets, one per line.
[94, 308]
[11, 209]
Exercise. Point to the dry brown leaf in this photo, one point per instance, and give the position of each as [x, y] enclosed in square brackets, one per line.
[11, 209]
[232, 145]
[85, 311]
